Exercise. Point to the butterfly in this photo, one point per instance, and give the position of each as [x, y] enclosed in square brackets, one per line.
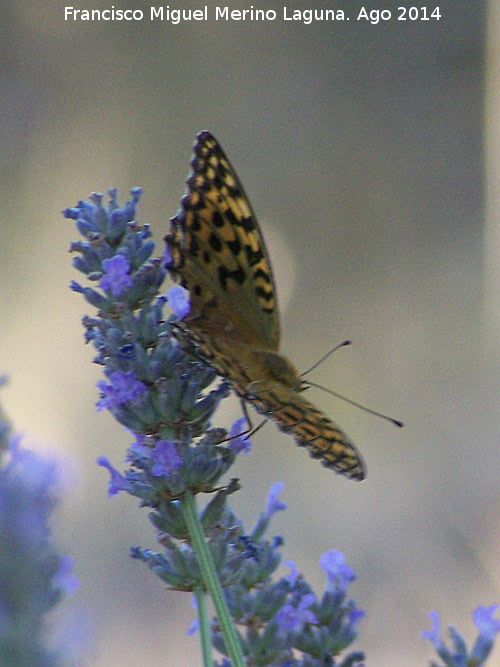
[217, 252]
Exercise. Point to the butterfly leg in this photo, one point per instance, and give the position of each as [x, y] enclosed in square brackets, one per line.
[251, 429]
[248, 431]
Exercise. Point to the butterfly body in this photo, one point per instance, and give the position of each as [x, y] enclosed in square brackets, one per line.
[218, 254]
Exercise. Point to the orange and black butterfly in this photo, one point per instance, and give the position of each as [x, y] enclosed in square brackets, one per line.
[218, 254]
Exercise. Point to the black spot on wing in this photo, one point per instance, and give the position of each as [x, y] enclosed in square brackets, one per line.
[215, 242]
[267, 296]
[247, 223]
[238, 275]
[194, 248]
[234, 246]
[232, 217]
[194, 224]
[191, 203]
[217, 219]
[253, 256]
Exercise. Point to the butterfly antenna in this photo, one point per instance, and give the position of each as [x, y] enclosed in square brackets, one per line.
[325, 356]
[396, 422]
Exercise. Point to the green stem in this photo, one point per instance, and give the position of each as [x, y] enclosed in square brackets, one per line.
[209, 574]
[203, 617]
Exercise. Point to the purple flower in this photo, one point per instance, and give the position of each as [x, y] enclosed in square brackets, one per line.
[28, 489]
[117, 482]
[488, 628]
[36, 474]
[273, 503]
[355, 615]
[139, 448]
[194, 626]
[294, 572]
[64, 578]
[238, 441]
[294, 618]
[33, 575]
[178, 300]
[122, 387]
[116, 275]
[339, 575]
[166, 458]
[434, 635]
[484, 621]
[167, 256]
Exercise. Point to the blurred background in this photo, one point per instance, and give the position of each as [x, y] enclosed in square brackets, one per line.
[362, 149]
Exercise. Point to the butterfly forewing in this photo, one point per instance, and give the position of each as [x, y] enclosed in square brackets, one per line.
[218, 254]
[217, 235]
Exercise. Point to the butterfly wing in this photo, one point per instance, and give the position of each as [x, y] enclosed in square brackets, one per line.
[219, 255]
[310, 427]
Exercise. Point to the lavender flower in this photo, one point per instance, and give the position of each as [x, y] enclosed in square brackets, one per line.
[294, 618]
[34, 577]
[116, 275]
[488, 628]
[178, 300]
[273, 503]
[117, 481]
[459, 655]
[165, 397]
[238, 436]
[339, 575]
[166, 458]
[122, 387]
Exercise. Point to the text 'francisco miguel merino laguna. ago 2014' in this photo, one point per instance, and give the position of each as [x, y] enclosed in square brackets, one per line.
[225, 13]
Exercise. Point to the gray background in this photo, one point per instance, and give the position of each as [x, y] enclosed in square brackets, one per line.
[360, 147]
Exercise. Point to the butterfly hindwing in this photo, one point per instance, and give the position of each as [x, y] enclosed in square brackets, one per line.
[310, 427]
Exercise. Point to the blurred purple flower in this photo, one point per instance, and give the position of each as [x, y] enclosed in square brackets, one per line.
[117, 482]
[355, 615]
[33, 575]
[64, 579]
[294, 572]
[488, 628]
[339, 575]
[116, 277]
[294, 618]
[238, 438]
[273, 503]
[178, 300]
[166, 458]
[122, 387]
